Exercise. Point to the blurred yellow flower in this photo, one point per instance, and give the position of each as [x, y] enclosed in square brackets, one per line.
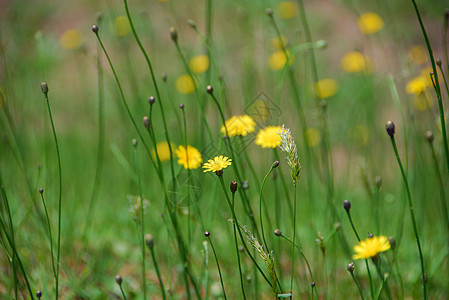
[122, 26]
[163, 151]
[269, 137]
[370, 23]
[239, 125]
[417, 85]
[278, 59]
[360, 134]
[199, 63]
[287, 9]
[71, 39]
[313, 137]
[277, 43]
[190, 159]
[185, 84]
[326, 88]
[418, 55]
[370, 247]
[217, 164]
[354, 62]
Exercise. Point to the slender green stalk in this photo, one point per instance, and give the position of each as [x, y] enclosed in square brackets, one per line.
[58, 252]
[142, 220]
[218, 264]
[411, 207]
[237, 250]
[382, 278]
[158, 273]
[240, 232]
[444, 77]
[274, 165]
[438, 92]
[294, 239]
[41, 191]
[121, 290]
[358, 286]
[366, 261]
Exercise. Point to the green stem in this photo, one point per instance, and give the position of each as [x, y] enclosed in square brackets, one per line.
[237, 251]
[412, 214]
[358, 285]
[158, 273]
[50, 235]
[438, 92]
[218, 267]
[294, 239]
[58, 253]
[123, 292]
[274, 165]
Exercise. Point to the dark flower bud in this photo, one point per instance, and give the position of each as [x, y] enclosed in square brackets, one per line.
[134, 142]
[207, 233]
[350, 267]
[347, 205]
[41, 191]
[269, 12]
[313, 284]
[429, 136]
[95, 29]
[390, 128]
[39, 166]
[174, 34]
[118, 279]
[276, 164]
[164, 77]
[277, 232]
[378, 181]
[392, 242]
[439, 62]
[233, 186]
[44, 87]
[146, 122]
[38, 294]
[209, 89]
[149, 240]
[181, 106]
[370, 235]
[151, 100]
[219, 173]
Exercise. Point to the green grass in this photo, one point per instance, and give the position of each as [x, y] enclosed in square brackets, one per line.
[346, 156]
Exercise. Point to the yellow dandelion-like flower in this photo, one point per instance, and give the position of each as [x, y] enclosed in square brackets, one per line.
[278, 59]
[71, 39]
[326, 88]
[417, 85]
[239, 125]
[217, 164]
[163, 151]
[185, 84]
[371, 247]
[354, 62]
[190, 158]
[287, 9]
[199, 64]
[122, 26]
[418, 55]
[313, 137]
[370, 23]
[277, 43]
[269, 137]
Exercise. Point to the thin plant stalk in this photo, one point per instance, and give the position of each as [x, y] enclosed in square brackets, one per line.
[49, 233]
[437, 90]
[274, 165]
[237, 250]
[358, 285]
[142, 221]
[412, 214]
[158, 273]
[294, 239]
[218, 267]
[58, 249]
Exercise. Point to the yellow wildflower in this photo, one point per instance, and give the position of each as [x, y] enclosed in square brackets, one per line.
[185, 84]
[370, 247]
[71, 39]
[354, 62]
[269, 137]
[326, 88]
[370, 23]
[287, 9]
[163, 151]
[239, 125]
[418, 55]
[190, 159]
[278, 59]
[217, 164]
[313, 137]
[199, 63]
[277, 43]
[417, 85]
[122, 26]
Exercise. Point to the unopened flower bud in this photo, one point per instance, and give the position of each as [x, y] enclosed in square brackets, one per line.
[392, 242]
[269, 12]
[41, 191]
[276, 164]
[146, 122]
[151, 100]
[207, 233]
[429, 136]
[350, 267]
[149, 240]
[134, 142]
[233, 186]
[181, 106]
[378, 181]
[38, 294]
[277, 232]
[174, 34]
[44, 87]
[119, 279]
[370, 235]
[209, 89]
[347, 205]
[390, 128]
[164, 77]
[439, 62]
[95, 29]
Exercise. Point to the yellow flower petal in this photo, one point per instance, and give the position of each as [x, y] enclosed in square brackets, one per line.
[199, 64]
[122, 26]
[185, 84]
[239, 125]
[71, 39]
[370, 247]
[190, 159]
[269, 137]
[370, 23]
[287, 9]
[326, 88]
[354, 62]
